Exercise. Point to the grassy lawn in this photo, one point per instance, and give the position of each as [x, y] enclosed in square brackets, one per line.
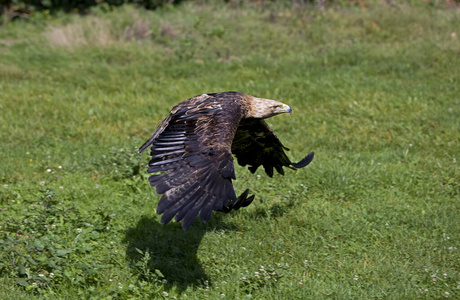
[375, 93]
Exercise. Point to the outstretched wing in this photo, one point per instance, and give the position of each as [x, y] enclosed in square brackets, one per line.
[192, 156]
[256, 144]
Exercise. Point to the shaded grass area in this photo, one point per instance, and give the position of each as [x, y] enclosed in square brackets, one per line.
[374, 94]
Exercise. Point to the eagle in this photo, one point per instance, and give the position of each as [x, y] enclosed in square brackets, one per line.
[192, 153]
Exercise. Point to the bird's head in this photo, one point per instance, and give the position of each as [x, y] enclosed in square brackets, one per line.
[266, 108]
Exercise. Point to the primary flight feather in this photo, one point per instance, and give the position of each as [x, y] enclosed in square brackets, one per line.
[192, 153]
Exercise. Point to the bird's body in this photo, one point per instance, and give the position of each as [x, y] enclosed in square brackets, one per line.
[192, 153]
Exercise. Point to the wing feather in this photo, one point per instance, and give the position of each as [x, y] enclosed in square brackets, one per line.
[206, 209]
[192, 147]
[256, 145]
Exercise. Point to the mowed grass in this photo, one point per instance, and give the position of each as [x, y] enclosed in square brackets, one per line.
[375, 93]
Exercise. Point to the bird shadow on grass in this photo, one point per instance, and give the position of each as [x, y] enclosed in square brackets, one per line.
[153, 247]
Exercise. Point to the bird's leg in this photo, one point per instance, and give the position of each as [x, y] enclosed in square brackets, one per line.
[242, 201]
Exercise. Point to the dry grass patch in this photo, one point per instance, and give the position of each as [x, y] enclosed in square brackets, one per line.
[91, 31]
[96, 31]
[138, 31]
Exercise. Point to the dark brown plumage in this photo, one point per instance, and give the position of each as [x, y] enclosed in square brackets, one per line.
[192, 153]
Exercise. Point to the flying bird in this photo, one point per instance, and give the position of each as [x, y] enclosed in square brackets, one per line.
[192, 153]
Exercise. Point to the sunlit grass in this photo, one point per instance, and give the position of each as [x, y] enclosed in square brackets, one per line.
[374, 94]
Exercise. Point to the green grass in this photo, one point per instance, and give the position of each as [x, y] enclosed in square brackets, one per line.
[375, 94]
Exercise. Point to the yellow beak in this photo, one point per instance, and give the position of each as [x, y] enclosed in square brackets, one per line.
[284, 109]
